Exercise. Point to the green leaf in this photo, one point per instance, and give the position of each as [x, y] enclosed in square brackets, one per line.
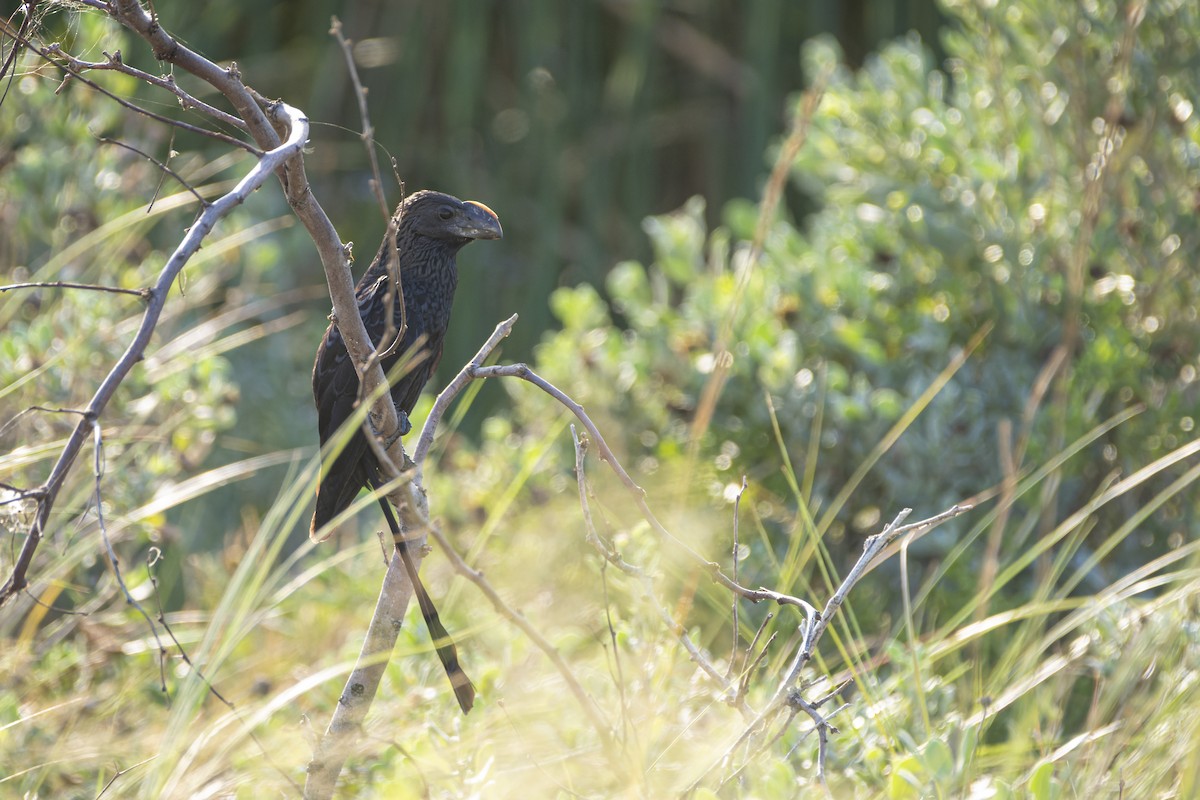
[1040, 785]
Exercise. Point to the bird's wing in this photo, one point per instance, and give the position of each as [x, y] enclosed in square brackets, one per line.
[335, 387]
[408, 388]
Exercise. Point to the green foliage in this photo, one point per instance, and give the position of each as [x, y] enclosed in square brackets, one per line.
[80, 210]
[107, 216]
[573, 120]
[1003, 660]
[951, 202]
[92, 228]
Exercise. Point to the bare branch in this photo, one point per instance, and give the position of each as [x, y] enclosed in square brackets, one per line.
[395, 595]
[787, 694]
[113, 561]
[787, 698]
[447, 395]
[52, 54]
[116, 63]
[602, 726]
[744, 684]
[268, 123]
[132, 15]
[163, 167]
[605, 453]
[393, 335]
[614, 558]
[346, 724]
[121, 772]
[8, 67]
[368, 131]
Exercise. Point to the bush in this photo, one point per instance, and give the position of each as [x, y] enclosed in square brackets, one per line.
[952, 202]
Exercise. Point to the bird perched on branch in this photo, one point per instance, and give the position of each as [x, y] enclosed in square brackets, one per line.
[432, 228]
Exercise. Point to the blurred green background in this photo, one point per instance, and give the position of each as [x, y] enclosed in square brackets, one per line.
[980, 283]
[575, 120]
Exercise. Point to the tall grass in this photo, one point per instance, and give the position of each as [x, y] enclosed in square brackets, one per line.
[1063, 692]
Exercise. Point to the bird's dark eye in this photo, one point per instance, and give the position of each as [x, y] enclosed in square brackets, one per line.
[445, 212]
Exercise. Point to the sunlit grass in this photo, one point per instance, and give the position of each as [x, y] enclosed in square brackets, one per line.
[1060, 689]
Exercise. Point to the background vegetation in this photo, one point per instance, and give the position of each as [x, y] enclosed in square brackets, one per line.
[1016, 182]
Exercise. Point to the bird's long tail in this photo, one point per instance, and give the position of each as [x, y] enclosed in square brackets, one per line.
[464, 690]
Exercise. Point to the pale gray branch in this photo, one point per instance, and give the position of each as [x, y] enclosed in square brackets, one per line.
[447, 395]
[788, 693]
[613, 557]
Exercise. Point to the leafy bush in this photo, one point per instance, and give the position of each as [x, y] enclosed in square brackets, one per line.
[1044, 183]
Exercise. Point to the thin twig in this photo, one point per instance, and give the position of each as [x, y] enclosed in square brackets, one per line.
[8, 69]
[602, 726]
[713, 569]
[113, 561]
[116, 63]
[393, 298]
[70, 72]
[373, 422]
[600, 544]
[612, 557]
[615, 652]
[167, 170]
[744, 684]
[460, 381]
[121, 772]
[787, 694]
[345, 725]
[368, 131]
[142, 293]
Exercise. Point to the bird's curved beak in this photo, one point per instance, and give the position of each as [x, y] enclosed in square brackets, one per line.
[479, 222]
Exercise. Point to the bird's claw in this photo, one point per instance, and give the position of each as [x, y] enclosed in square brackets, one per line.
[405, 426]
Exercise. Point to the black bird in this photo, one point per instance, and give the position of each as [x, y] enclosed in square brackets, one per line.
[432, 228]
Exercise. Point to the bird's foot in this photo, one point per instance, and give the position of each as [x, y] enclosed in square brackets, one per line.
[405, 427]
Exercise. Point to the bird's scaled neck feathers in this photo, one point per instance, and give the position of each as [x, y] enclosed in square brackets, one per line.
[421, 257]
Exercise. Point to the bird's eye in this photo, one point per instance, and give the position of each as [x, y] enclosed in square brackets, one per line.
[445, 212]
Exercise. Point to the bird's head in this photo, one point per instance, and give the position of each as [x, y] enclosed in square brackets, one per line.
[440, 216]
